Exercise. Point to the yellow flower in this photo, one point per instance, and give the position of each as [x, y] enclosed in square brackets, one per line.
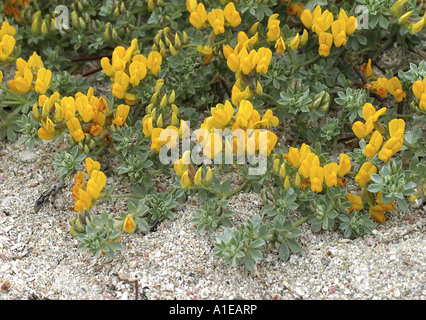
[137, 72]
[191, 5]
[316, 176]
[330, 174]
[338, 29]
[356, 202]
[417, 26]
[198, 177]
[351, 25]
[92, 165]
[311, 160]
[374, 145]
[74, 127]
[93, 188]
[392, 146]
[269, 120]
[154, 62]
[368, 111]
[323, 23]
[129, 225]
[405, 16]
[238, 95]
[306, 18]
[1, 77]
[84, 201]
[68, 107]
[121, 114]
[181, 165]
[287, 184]
[280, 45]
[232, 16]
[22, 83]
[325, 43]
[216, 19]
[156, 144]
[265, 55]
[222, 114]
[43, 80]
[365, 172]
[304, 37]
[396, 128]
[47, 132]
[7, 44]
[271, 141]
[394, 87]
[186, 181]
[121, 84]
[419, 88]
[294, 42]
[198, 17]
[273, 28]
[362, 130]
[213, 145]
[344, 165]
[367, 69]
[6, 28]
[147, 125]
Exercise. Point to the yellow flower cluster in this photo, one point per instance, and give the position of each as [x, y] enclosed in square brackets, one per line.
[295, 8]
[243, 60]
[377, 208]
[397, 11]
[85, 193]
[128, 67]
[370, 116]
[162, 113]
[27, 72]
[363, 130]
[310, 172]
[274, 35]
[92, 111]
[382, 86]
[419, 90]
[247, 119]
[321, 22]
[364, 174]
[216, 18]
[7, 40]
[189, 176]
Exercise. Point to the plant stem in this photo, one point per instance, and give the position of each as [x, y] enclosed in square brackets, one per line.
[299, 222]
[240, 167]
[18, 98]
[266, 95]
[218, 193]
[126, 195]
[307, 63]
[236, 190]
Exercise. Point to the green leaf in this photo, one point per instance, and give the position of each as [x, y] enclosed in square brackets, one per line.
[284, 252]
[374, 188]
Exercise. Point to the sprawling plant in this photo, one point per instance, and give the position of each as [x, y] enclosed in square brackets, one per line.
[285, 97]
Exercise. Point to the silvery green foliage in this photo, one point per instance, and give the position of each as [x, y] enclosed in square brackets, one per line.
[242, 245]
[66, 162]
[394, 183]
[355, 224]
[213, 214]
[281, 236]
[352, 101]
[101, 236]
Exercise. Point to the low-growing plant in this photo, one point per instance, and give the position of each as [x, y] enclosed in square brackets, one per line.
[284, 99]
